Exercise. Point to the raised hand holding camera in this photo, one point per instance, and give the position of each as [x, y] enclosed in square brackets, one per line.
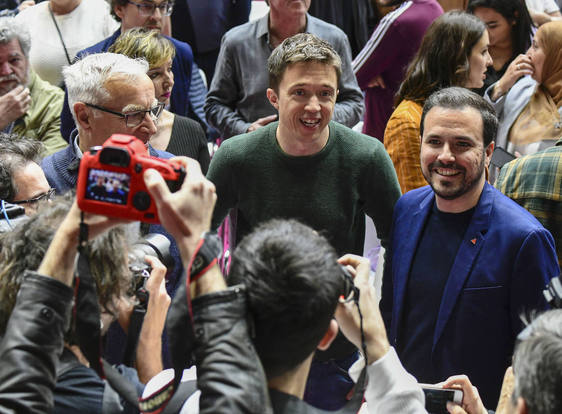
[348, 317]
[187, 213]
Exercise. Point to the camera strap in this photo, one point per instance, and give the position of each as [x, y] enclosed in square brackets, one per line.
[133, 333]
[86, 307]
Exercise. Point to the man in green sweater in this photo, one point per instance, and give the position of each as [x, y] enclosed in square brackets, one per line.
[306, 167]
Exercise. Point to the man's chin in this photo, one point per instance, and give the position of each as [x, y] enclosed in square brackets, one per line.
[8, 86]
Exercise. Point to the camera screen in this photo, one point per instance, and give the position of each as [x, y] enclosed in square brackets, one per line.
[436, 400]
[108, 186]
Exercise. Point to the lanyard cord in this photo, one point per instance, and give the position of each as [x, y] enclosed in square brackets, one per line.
[60, 34]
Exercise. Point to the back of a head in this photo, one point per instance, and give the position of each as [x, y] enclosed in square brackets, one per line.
[139, 43]
[517, 14]
[293, 283]
[537, 365]
[85, 79]
[15, 153]
[443, 57]
[459, 98]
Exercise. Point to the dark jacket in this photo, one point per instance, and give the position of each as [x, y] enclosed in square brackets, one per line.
[32, 343]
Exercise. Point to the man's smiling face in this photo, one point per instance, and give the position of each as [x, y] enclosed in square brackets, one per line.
[305, 100]
[453, 156]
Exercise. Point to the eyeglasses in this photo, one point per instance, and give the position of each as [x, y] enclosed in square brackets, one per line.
[147, 10]
[45, 196]
[134, 119]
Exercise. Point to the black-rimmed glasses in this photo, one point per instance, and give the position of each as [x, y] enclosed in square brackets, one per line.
[134, 119]
[149, 9]
[45, 196]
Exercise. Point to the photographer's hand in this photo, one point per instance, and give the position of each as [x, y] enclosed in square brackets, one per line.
[471, 402]
[347, 315]
[187, 213]
[58, 261]
[149, 349]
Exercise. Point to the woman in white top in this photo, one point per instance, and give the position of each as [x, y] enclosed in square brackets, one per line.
[61, 28]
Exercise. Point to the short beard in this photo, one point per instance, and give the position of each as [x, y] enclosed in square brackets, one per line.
[464, 188]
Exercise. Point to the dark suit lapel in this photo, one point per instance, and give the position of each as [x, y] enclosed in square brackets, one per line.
[468, 251]
[402, 262]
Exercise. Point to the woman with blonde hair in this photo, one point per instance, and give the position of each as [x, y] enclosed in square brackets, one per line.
[176, 134]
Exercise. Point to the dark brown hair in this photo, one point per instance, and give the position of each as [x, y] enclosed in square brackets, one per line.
[443, 57]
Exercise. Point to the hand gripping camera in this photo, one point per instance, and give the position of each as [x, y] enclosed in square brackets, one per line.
[110, 180]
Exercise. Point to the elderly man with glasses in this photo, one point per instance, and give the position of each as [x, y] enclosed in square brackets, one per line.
[108, 93]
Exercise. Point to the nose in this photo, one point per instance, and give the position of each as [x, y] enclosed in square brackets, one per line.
[149, 125]
[157, 14]
[489, 60]
[446, 155]
[313, 104]
[169, 78]
[5, 69]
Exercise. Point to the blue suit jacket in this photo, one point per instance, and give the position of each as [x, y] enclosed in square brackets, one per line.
[181, 67]
[503, 263]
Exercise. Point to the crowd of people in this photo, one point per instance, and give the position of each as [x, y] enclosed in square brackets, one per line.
[440, 122]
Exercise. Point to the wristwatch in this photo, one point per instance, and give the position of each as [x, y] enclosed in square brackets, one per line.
[208, 251]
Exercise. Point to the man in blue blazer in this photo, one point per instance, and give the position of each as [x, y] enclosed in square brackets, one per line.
[465, 261]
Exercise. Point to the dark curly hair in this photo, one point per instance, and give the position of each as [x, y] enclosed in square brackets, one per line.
[443, 57]
[24, 247]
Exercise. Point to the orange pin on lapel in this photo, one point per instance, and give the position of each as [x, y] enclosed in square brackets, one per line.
[473, 241]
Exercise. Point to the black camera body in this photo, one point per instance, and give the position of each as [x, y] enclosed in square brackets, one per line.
[154, 244]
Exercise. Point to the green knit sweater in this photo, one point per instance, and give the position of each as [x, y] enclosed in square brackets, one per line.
[329, 191]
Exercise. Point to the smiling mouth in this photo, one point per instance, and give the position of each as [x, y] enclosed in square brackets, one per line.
[447, 172]
[310, 123]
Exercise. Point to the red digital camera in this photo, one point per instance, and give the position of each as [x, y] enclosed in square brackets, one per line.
[110, 180]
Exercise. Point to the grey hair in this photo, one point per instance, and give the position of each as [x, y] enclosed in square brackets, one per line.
[86, 78]
[9, 30]
[537, 365]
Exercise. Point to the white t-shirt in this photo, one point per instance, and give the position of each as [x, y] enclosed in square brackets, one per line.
[86, 25]
[542, 6]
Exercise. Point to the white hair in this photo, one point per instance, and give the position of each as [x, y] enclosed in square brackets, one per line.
[10, 30]
[86, 78]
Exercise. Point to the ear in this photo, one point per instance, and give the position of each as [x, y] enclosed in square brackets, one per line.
[329, 336]
[273, 98]
[521, 407]
[489, 151]
[119, 10]
[83, 115]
